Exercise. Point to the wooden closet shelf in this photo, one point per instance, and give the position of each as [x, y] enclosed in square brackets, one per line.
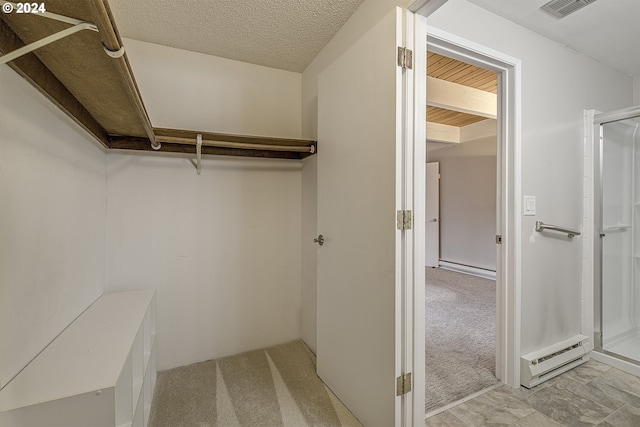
[184, 141]
[99, 91]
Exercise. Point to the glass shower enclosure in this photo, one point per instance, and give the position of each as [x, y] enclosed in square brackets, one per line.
[617, 234]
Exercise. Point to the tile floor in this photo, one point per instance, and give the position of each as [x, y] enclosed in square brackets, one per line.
[593, 394]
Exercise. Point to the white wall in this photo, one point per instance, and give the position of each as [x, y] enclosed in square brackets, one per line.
[222, 249]
[468, 202]
[52, 222]
[636, 90]
[557, 84]
[189, 90]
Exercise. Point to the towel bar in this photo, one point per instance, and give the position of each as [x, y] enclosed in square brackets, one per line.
[541, 226]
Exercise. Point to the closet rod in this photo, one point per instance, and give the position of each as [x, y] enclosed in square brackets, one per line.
[111, 42]
[240, 145]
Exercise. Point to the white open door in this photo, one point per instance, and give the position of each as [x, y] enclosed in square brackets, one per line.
[432, 229]
[364, 266]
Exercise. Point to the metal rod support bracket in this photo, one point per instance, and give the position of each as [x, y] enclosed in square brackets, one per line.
[199, 153]
[77, 25]
[114, 53]
[45, 41]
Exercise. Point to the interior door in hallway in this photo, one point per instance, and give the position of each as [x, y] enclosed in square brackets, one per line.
[361, 97]
[432, 230]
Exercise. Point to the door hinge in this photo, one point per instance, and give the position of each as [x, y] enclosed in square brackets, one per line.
[498, 239]
[403, 384]
[405, 221]
[405, 58]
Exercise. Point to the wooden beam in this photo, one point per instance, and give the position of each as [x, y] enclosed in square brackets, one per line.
[36, 73]
[451, 118]
[484, 129]
[437, 132]
[143, 144]
[464, 99]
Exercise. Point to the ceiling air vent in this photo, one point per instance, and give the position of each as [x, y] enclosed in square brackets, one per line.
[562, 8]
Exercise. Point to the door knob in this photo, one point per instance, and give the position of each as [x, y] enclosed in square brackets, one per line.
[433, 220]
[319, 240]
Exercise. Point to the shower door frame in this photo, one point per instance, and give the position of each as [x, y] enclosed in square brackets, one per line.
[599, 120]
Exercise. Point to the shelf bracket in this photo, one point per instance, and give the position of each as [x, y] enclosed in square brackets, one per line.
[77, 25]
[113, 53]
[198, 162]
[45, 41]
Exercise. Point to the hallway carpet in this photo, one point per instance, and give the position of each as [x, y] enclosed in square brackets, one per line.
[277, 386]
[459, 336]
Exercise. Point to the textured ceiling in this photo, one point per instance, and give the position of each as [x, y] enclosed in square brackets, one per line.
[606, 30]
[288, 34]
[284, 34]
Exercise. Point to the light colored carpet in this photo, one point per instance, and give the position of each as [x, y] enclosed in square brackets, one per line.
[459, 336]
[277, 386]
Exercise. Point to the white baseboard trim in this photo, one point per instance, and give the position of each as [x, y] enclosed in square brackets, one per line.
[467, 269]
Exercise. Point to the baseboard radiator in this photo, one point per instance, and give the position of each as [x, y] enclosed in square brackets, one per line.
[544, 364]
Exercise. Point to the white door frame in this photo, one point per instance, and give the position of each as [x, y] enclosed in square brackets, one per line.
[414, 308]
[509, 213]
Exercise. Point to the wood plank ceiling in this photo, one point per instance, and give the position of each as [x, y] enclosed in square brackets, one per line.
[454, 71]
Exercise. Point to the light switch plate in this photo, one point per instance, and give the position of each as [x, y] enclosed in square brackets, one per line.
[529, 205]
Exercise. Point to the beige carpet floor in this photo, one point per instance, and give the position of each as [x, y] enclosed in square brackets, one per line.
[277, 386]
[460, 336]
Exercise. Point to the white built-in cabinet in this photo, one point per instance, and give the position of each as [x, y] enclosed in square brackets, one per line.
[100, 371]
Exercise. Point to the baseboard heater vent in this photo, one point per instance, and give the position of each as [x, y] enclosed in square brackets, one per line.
[544, 364]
